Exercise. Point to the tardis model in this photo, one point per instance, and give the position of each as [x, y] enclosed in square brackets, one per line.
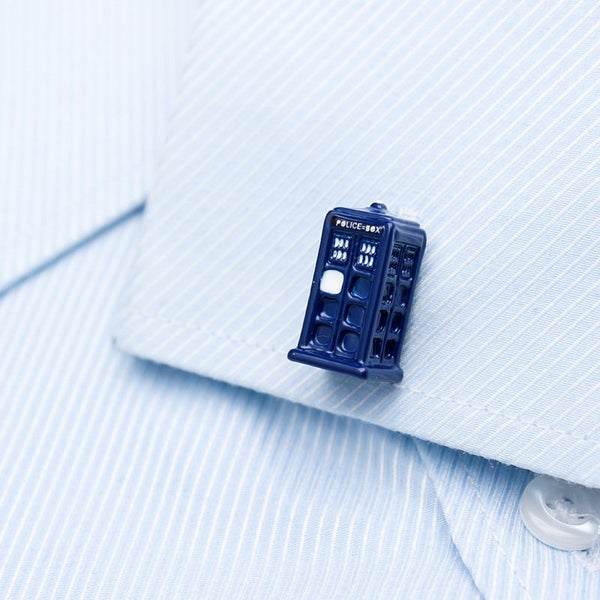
[361, 293]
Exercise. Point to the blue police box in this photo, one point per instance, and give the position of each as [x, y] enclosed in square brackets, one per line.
[361, 293]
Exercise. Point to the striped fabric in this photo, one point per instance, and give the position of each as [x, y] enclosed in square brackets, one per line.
[85, 91]
[124, 479]
[479, 498]
[482, 116]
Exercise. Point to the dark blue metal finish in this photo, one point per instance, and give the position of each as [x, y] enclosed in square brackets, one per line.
[361, 293]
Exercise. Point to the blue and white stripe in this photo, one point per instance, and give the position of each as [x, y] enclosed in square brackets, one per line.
[86, 89]
[484, 117]
[125, 479]
[120, 478]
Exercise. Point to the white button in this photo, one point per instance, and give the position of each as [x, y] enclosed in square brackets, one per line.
[332, 282]
[561, 514]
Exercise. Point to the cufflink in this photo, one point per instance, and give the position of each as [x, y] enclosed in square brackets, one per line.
[361, 293]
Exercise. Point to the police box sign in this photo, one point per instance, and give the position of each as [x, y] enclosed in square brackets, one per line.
[355, 225]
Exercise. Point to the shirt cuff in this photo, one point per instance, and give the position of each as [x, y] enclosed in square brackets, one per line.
[500, 357]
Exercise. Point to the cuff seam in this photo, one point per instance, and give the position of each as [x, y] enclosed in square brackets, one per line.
[139, 313]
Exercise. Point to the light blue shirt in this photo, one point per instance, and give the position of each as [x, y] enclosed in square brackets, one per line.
[125, 478]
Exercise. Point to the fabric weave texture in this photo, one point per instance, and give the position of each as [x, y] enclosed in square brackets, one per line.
[484, 119]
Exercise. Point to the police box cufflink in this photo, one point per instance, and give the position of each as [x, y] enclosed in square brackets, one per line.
[361, 293]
